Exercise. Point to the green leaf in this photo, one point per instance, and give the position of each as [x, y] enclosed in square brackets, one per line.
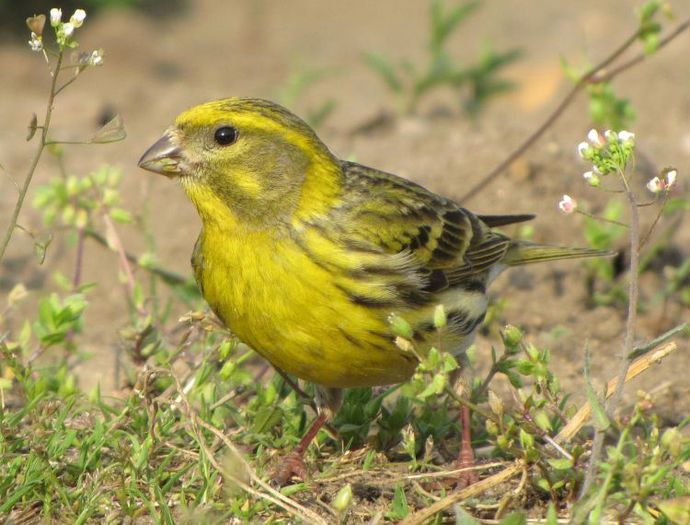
[399, 506]
[561, 463]
[385, 69]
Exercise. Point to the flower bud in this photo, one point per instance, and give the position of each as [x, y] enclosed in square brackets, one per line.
[592, 178]
[567, 204]
[655, 185]
[440, 319]
[595, 138]
[495, 404]
[626, 138]
[343, 499]
[672, 440]
[77, 19]
[67, 29]
[670, 178]
[512, 336]
[55, 16]
[584, 150]
[400, 327]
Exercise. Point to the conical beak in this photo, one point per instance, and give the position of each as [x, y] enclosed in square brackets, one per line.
[164, 157]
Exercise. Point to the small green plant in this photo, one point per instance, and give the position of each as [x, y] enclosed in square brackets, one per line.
[474, 85]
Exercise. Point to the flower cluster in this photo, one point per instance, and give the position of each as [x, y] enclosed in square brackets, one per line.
[608, 152]
[64, 31]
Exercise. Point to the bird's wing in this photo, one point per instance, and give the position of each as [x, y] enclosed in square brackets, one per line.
[445, 242]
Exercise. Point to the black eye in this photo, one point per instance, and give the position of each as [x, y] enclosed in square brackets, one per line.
[225, 136]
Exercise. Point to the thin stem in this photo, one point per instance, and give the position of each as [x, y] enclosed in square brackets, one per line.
[63, 86]
[79, 259]
[605, 77]
[602, 219]
[655, 222]
[130, 283]
[34, 162]
[632, 297]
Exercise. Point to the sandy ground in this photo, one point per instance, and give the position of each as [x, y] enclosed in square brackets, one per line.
[156, 68]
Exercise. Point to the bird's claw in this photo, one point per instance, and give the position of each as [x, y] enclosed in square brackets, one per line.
[292, 466]
[466, 460]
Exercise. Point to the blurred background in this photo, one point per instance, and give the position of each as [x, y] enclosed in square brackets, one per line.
[328, 62]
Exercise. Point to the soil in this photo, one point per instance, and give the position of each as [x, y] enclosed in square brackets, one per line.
[156, 68]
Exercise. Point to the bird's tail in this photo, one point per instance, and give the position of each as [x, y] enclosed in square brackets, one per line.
[522, 252]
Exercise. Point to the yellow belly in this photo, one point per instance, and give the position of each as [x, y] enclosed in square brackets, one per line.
[287, 307]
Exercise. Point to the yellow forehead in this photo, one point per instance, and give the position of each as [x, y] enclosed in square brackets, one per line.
[249, 114]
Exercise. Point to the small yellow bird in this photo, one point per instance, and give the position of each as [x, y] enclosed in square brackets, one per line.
[305, 256]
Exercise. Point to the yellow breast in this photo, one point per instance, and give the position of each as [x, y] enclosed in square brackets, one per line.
[272, 294]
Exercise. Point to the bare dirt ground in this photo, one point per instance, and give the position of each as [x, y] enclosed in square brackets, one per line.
[156, 68]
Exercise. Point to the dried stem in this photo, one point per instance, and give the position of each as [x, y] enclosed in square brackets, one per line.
[34, 162]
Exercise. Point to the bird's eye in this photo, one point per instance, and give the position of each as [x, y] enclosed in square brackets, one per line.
[225, 136]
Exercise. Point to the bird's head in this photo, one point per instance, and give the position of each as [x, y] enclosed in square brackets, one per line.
[247, 158]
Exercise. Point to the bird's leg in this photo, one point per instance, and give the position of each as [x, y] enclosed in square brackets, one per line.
[293, 463]
[466, 456]
[327, 400]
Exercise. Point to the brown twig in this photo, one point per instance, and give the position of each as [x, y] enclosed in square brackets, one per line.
[595, 75]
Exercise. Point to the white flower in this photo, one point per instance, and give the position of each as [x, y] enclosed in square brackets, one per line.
[655, 185]
[567, 204]
[591, 178]
[670, 178]
[595, 138]
[55, 16]
[36, 42]
[77, 19]
[67, 29]
[96, 58]
[611, 136]
[583, 149]
[626, 137]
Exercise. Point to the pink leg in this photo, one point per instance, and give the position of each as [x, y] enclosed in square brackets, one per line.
[466, 457]
[293, 463]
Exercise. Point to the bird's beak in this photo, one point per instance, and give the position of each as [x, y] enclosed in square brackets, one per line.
[164, 157]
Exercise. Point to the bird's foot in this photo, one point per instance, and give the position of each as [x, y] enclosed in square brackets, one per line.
[291, 466]
[466, 461]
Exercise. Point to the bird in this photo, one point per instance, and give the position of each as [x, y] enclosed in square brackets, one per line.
[305, 257]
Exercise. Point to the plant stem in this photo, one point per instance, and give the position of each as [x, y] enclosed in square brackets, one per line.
[34, 162]
[79, 258]
[632, 299]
